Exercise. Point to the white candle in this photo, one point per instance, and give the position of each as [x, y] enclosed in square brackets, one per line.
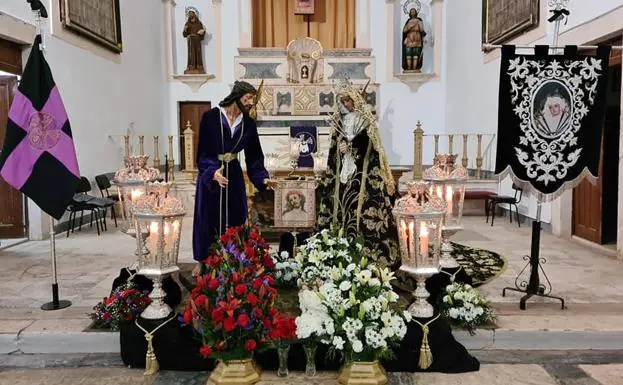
[167, 235]
[176, 230]
[403, 237]
[412, 240]
[135, 194]
[153, 237]
[449, 197]
[423, 240]
[439, 194]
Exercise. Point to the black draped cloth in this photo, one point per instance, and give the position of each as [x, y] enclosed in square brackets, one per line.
[177, 348]
[551, 113]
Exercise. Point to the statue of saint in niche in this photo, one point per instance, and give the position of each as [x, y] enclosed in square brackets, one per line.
[194, 32]
[413, 34]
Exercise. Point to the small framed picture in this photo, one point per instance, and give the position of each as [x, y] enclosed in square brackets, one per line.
[304, 7]
[295, 204]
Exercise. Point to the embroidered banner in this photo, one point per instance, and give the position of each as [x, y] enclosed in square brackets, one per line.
[551, 113]
[39, 157]
[309, 141]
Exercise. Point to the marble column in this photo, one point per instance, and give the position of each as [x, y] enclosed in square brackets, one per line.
[362, 27]
[169, 5]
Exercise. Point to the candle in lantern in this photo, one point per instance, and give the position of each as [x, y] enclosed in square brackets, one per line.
[449, 197]
[439, 194]
[167, 235]
[403, 236]
[135, 194]
[423, 240]
[153, 238]
[412, 240]
[176, 230]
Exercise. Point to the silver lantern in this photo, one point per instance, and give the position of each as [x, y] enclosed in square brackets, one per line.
[419, 217]
[131, 183]
[158, 220]
[447, 182]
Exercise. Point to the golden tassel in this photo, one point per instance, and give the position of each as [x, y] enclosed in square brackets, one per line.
[426, 356]
[151, 362]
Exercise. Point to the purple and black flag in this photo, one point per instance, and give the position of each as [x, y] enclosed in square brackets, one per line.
[39, 157]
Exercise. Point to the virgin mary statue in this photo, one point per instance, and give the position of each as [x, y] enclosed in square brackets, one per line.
[359, 191]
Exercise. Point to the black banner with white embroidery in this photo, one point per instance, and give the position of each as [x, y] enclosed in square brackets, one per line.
[550, 118]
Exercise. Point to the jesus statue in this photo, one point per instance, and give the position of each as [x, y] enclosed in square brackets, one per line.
[221, 200]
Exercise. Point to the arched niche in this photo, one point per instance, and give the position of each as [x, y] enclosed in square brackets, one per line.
[413, 16]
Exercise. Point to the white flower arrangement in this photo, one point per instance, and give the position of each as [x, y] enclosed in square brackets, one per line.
[314, 322]
[286, 269]
[322, 253]
[358, 299]
[463, 306]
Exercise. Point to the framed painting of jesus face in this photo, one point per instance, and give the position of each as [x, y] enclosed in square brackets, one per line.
[304, 7]
[295, 204]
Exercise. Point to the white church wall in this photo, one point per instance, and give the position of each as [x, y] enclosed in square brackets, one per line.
[401, 108]
[473, 77]
[103, 95]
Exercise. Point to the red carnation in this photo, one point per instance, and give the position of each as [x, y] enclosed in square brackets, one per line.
[200, 300]
[188, 315]
[257, 283]
[229, 324]
[250, 345]
[205, 351]
[252, 299]
[267, 323]
[243, 320]
[213, 284]
[240, 289]
[218, 316]
[257, 312]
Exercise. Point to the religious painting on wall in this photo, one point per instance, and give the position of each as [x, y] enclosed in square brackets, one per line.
[551, 113]
[416, 36]
[97, 20]
[309, 139]
[503, 20]
[295, 204]
[304, 7]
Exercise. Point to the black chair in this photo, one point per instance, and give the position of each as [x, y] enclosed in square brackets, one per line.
[82, 202]
[510, 200]
[103, 183]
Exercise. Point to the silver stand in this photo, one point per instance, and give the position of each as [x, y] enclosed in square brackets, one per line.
[56, 303]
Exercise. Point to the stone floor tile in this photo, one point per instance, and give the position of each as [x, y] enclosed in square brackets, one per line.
[611, 374]
[8, 326]
[81, 376]
[500, 374]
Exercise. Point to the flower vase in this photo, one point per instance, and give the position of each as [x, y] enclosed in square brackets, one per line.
[362, 372]
[235, 372]
[310, 355]
[283, 351]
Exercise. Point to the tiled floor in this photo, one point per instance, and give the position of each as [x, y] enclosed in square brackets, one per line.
[87, 264]
[498, 368]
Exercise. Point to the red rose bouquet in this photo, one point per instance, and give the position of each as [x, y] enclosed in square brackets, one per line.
[232, 305]
[124, 304]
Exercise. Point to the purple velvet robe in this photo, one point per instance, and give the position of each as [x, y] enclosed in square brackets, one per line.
[234, 198]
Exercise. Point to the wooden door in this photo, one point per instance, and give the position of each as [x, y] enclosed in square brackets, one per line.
[191, 112]
[587, 209]
[11, 201]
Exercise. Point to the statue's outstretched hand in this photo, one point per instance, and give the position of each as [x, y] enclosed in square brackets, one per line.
[219, 178]
[272, 184]
[343, 147]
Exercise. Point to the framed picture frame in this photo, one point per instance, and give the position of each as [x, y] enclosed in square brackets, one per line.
[502, 20]
[304, 7]
[96, 20]
[295, 204]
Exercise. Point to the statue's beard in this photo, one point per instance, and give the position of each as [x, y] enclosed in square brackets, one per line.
[243, 108]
